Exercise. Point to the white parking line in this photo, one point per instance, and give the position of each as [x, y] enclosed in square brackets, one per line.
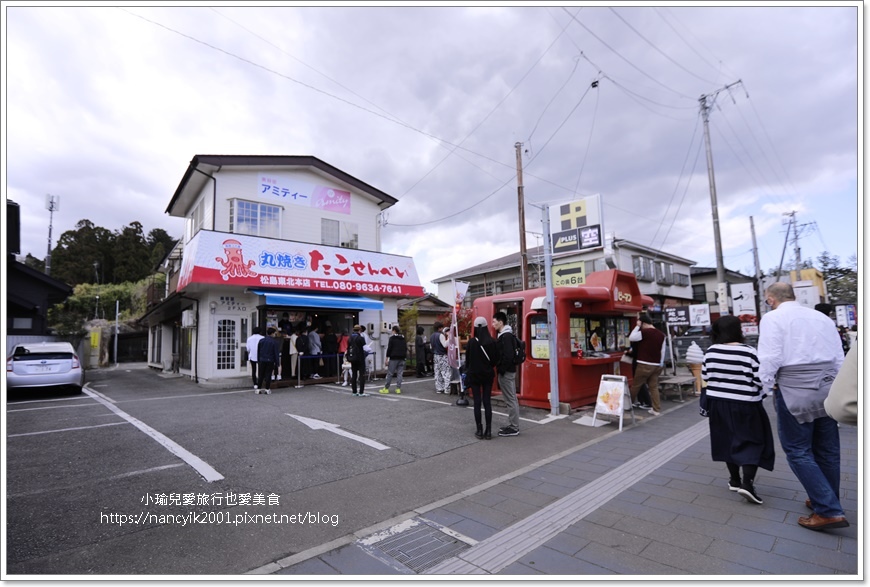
[199, 465]
[65, 429]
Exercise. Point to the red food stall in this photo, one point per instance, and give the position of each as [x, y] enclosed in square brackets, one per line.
[593, 322]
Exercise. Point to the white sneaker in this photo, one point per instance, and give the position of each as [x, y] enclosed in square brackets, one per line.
[655, 413]
[344, 384]
[256, 389]
[268, 392]
[315, 376]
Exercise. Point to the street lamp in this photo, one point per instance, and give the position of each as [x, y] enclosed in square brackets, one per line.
[97, 309]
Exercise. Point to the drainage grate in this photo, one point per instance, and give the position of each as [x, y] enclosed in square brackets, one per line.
[421, 547]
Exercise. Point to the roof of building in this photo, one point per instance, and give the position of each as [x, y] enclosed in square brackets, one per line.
[513, 260]
[192, 182]
[712, 270]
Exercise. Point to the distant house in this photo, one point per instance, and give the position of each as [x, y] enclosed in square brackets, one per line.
[29, 293]
[429, 307]
[705, 288]
[662, 276]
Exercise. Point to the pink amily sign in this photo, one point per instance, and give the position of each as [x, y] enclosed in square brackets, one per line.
[305, 194]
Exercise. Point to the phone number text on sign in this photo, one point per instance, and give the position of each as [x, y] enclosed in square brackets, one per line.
[354, 286]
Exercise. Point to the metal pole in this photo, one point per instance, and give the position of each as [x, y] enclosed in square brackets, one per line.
[782, 257]
[524, 264]
[52, 205]
[551, 314]
[117, 312]
[758, 292]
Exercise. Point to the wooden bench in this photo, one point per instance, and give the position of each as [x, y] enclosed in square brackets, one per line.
[675, 382]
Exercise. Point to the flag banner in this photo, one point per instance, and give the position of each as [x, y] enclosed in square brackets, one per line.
[460, 288]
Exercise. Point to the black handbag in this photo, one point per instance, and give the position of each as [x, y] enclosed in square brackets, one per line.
[702, 403]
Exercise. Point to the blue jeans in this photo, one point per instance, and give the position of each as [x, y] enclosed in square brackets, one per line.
[813, 453]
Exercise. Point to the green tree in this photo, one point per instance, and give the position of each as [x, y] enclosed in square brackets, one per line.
[159, 243]
[83, 255]
[132, 258]
[841, 282]
[34, 263]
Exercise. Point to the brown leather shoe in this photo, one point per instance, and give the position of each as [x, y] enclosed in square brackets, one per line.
[817, 522]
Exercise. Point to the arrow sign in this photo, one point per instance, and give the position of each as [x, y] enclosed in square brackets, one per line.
[335, 429]
[570, 271]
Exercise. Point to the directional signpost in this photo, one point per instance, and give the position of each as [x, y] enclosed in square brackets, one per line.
[336, 429]
[569, 274]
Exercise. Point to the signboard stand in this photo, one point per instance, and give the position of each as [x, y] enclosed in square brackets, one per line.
[613, 395]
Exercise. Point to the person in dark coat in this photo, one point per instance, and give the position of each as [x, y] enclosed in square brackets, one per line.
[420, 352]
[268, 355]
[356, 355]
[330, 353]
[481, 357]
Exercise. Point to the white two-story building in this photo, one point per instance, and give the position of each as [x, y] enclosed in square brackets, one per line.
[271, 239]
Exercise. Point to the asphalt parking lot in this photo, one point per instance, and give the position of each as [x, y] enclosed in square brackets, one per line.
[148, 474]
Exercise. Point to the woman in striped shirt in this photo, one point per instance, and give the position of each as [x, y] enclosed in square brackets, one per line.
[740, 434]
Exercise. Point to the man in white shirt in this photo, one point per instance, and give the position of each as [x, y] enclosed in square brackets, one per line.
[800, 353]
[251, 345]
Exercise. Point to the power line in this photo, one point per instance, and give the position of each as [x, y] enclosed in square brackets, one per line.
[618, 54]
[653, 45]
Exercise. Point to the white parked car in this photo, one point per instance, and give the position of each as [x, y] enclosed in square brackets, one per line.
[44, 364]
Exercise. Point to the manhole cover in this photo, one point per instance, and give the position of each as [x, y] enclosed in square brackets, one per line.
[421, 547]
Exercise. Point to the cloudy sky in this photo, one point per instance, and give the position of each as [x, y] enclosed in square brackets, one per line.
[106, 106]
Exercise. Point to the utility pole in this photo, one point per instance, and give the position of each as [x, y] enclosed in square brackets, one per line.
[52, 203]
[758, 292]
[524, 265]
[720, 264]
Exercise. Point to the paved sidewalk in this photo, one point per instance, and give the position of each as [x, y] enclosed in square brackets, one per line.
[646, 501]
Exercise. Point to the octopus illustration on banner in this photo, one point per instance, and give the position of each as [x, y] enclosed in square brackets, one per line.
[234, 265]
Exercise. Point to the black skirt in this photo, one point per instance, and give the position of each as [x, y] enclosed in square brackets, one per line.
[740, 433]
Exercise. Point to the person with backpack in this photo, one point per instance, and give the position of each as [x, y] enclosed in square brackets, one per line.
[356, 356]
[507, 344]
[481, 355]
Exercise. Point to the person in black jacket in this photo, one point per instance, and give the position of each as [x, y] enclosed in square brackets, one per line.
[356, 355]
[268, 355]
[420, 352]
[481, 355]
[397, 352]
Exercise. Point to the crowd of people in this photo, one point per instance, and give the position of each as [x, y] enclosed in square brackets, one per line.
[799, 362]
[804, 362]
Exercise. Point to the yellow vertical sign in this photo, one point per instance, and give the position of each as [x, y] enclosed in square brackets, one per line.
[569, 274]
[95, 339]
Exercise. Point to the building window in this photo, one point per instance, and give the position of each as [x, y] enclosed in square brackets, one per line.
[336, 233]
[478, 291]
[699, 293]
[255, 219]
[664, 273]
[195, 220]
[22, 323]
[643, 268]
[681, 279]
